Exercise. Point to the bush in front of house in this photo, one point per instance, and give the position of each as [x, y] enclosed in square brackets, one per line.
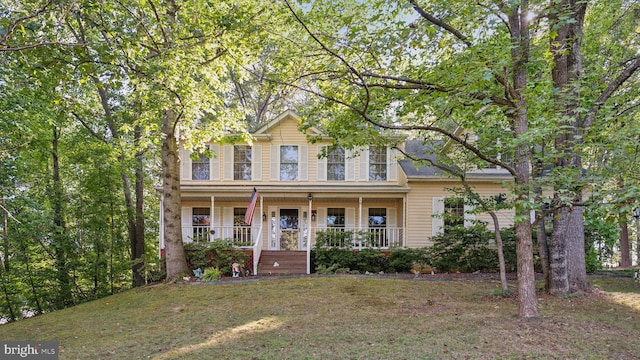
[469, 249]
[408, 260]
[216, 254]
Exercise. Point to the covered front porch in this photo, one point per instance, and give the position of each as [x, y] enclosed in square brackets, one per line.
[296, 220]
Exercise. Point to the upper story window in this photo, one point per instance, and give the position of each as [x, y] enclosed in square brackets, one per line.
[377, 163]
[242, 162]
[289, 162]
[453, 212]
[200, 169]
[335, 164]
[335, 217]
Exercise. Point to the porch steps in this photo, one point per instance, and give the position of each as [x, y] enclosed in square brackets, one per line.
[287, 262]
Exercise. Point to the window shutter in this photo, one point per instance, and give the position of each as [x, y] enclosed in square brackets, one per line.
[185, 164]
[303, 162]
[228, 162]
[321, 221]
[437, 222]
[322, 165]
[392, 225]
[349, 166]
[187, 225]
[275, 162]
[214, 162]
[468, 216]
[392, 164]
[350, 218]
[256, 162]
[227, 223]
[364, 165]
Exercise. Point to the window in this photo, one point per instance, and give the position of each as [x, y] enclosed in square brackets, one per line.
[453, 212]
[200, 220]
[335, 164]
[335, 217]
[242, 162]
[200, 168]
[377, 163]
[289, 162]
[241, 231]
[377, 227]
[377, 217]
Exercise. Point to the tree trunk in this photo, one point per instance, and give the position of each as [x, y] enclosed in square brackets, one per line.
[5, 236]
[567, 249]
[59, 243]
[175, 256]
[137, 245]
[528, 300]
[576, 263]
[625, 254]
[543, 248]
[503, 272]
[559, 285]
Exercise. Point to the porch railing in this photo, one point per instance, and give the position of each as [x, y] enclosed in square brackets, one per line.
[372, 238]
[240, 236]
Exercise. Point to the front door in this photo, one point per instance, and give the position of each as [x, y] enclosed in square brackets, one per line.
[289, 229]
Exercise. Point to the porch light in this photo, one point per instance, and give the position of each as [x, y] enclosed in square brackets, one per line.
[313, 215]
[636, 213]
[310, 197]
[264, 217]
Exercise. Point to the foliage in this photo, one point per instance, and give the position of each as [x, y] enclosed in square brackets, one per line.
[403, 260]
[219, 254]
[211, 274]
[468, 249]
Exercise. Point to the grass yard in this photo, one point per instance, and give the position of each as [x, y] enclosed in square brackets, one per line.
[341, 318]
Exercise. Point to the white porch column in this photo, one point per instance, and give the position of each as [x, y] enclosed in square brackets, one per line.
[360, 214]
[211, 219]
[309, 236]
[404, 221]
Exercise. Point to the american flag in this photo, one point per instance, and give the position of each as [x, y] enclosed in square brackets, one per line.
[248, 216]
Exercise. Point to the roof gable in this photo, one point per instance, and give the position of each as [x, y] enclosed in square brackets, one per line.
[265, 129]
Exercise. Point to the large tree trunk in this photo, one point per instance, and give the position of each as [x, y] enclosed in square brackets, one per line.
[522, 161]
[174, 250]
[567, 248]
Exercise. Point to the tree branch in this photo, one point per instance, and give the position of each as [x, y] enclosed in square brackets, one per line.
[440, 23]
[611, 88]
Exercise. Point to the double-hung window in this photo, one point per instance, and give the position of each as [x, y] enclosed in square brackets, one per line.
[289, 162]
[200, 169]
[377, 163]
[453, 212]
[335, 164]
[242, 162]
[201, 221]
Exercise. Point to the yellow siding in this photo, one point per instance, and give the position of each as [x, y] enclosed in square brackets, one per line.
[420, 208]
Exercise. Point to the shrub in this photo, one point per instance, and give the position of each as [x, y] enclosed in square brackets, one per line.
[217, 254]
[466, 249]
[211, 274]
[403, 260]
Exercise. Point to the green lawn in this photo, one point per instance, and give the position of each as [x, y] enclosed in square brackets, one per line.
[341, 318]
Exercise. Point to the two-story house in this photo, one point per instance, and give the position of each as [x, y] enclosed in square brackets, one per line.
[299, 193]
